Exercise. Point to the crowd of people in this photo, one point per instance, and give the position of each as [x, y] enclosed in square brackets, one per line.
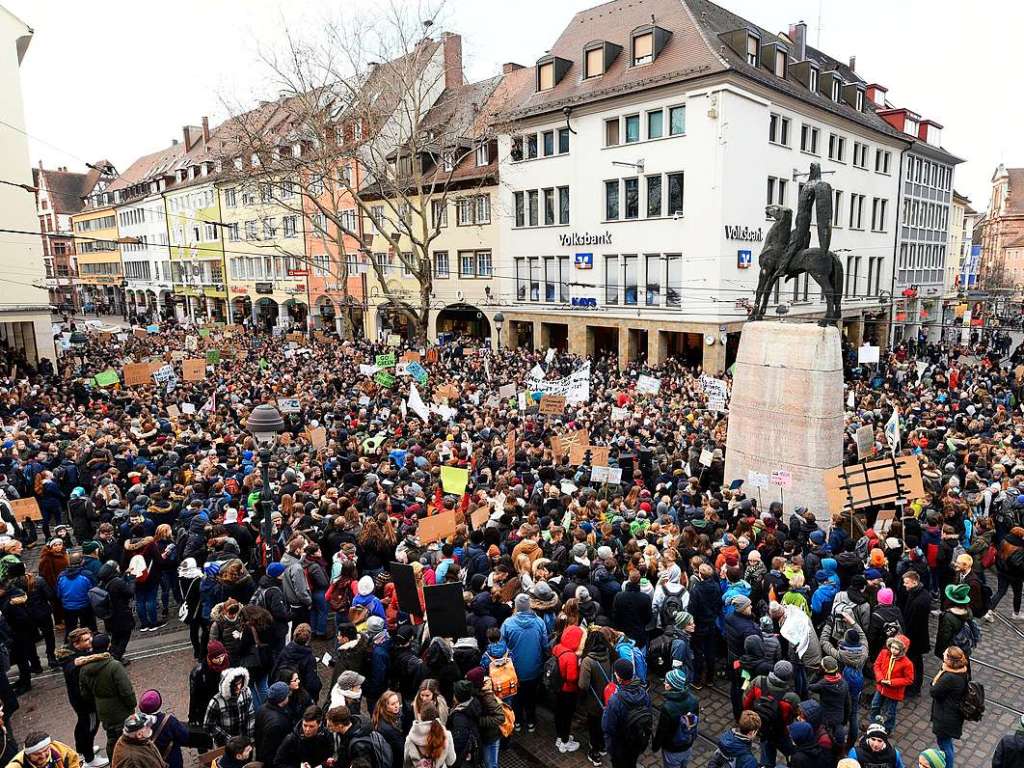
[618, 608]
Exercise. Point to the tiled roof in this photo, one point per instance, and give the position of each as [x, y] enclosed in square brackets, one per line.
[1015, 197]
[149, 167]
[66, 189]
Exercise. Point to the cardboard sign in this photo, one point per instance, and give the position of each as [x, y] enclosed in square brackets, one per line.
[193, 369]
[506, 391]
[436, 527]
[188, 409]
[757, 479]
[212, 356]
[552, 405]
[706, 457]
[385, 379]
[782, 478]
[480, 516]
[385, 361]
[598, 455]
[405, 588]
[867, 354]
[173, 413]
[873, 484]
[318, 438]
[865, 437]
[289, 404]
[561, 444]
[140, 333]
[648, 385]
[411, 356]
[446, 611]
[107, 378]
[136, 374]
[884, 521]
[432, 355]
[448, 392]
[510, 448]
[454, 480]
[298, 338]
[23, 508]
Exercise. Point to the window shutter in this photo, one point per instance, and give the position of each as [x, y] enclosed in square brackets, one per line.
[547, 76]
[643, 45]
[595, 62]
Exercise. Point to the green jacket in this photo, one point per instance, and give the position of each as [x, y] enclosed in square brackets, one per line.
[105, 684]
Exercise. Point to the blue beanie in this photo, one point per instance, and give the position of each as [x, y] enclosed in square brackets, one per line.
[274, 570]
[677, 679]
[801, 732]
[818, 536]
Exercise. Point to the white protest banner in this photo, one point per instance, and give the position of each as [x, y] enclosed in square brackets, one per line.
[364, 400]
[648, 385]
[522, 401]
[288, 405]
[575, 387]
[921, 368]
[599, 474]
[537, 373]
[782, 478]
[417, 404]
[850, 401]
[618, 414]
[757, 479]
[402, 369]
[867, 354]
[614, 475]
[188, 409]
[163, 374]
[506, 391]
[706, 457]
[549, 356]
[368, 370]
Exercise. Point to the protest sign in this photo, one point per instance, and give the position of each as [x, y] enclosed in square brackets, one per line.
[506, 391]
[436, 527]
[480, 517]
[188, 409]
[28, 507]
[447, 392]
[648, 385]
[411, 356]
[394, 340]
[418, 372]
[537, 372]
[510, 448]
[385, 379]
[598, 474]
[193, 369]
[212, 356]
[614, 475]
[135, 374]
[288, 404]
[318, 438]
[401, 369]
[385, 361]
[107, 378]
[757, 479]
[560, 444]
[153, 328]
[867, 353]
[782, 478]
[140, 333]
[454, 479]
[598, 454]
[163, 374]
[706, 457]
[618, 414]
[446, 611]
[172, 412]
[405, 587]
[298, 338]
[575, 387]
[552, 405]
[204, 333]
[865, 438]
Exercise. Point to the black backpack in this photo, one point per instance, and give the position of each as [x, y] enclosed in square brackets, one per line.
[719, 760]
[659, 653]
[972, 706]
[553, 675]
[672, 605]
[639, 727]
[375, 746]
[767, 708]
[99, 600]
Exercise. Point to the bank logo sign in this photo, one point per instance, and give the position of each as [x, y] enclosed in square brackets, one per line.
[587, 238]
[745, 234]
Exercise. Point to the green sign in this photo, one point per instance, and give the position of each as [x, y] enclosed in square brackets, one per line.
[212, 356]
[386, 361]
[384, 379]
[264, 364]
[107, 379]
[204, 332]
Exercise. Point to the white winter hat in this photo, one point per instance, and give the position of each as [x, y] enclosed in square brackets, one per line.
[365, 585]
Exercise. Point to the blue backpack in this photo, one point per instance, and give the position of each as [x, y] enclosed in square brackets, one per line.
[626, 649]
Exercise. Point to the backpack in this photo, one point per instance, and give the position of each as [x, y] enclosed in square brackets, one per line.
[672, 605]
[626, 649]
[968, 636]
[509, 723]
[686, 731]
[339, 594]
[99, 600]
[1015, 562]
[659, 654]
[988, 557]
[972, 706]
[719, 760]
[639, 727]
[552, 675]
[767, 708]
[380, 752]
[854, 679]
[504, 680]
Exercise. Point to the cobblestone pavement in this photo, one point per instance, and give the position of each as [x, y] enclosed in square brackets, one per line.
[162, 660]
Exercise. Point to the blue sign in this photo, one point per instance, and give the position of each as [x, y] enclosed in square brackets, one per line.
[584, 261]
[584, 301]
[744, 258]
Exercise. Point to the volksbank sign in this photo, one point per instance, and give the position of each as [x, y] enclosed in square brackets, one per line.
[745, 234]
[574, 239]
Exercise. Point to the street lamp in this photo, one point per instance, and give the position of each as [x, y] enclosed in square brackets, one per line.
[264, 424]
[499, 321]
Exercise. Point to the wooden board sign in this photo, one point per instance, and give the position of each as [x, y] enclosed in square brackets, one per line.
[561, 444]
[598, 455]
[873, 484]
[193, 369]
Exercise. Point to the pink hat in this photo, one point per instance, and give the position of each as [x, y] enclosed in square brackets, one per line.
[885, 596]
[150, 702]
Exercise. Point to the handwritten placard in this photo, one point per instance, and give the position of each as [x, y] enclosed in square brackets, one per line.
[782, 478]
[552, 405]
[436, 527]
[136, 374]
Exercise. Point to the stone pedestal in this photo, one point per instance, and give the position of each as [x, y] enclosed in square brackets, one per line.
[786, 411]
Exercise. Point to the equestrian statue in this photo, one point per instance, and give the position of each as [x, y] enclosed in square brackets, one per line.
[788, 253]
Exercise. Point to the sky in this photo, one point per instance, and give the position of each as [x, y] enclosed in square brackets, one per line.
[117, 79]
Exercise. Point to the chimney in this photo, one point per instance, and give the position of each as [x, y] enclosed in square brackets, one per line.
[186, 135]
[853, 64]
[798, 34]
[453, 76]
[510, 66]
[206, 130]
[174, 142]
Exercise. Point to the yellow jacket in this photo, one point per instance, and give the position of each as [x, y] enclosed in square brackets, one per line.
[61, 756]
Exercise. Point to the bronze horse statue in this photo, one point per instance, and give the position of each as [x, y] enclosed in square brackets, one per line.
[787, 253]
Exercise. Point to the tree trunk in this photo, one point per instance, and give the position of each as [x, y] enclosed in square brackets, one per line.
[423, 320]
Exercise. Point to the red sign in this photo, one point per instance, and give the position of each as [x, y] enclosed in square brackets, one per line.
[298, 273]
[235, 289]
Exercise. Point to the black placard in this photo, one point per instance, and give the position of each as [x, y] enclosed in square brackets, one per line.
[405, 588]
[446, 611]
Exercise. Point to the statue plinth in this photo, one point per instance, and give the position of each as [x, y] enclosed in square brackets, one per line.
[786, 411]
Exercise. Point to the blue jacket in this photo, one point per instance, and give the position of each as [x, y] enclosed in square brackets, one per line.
[73, 587]
[613, 721]
[741, 587]
[734, 746]
[705, 602]
[377, 677]
[823, 597]
[372, 604]
[527, 640]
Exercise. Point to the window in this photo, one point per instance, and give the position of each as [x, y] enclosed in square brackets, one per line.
[532, 197]
[563, 279]
[859, 106]
[611, 132]
[675, 194]
[676, 121]
[290, 224]
[233, 232]
[563, 141]
[836, 147]
[230, 198]
[653, 196]
[546, 76]
[516, 152]
[209, 233]
[439, 213]
[441, 264]
[780, 63]
[778, 130]
[856, 211]
[318, 221]
[836, 86]
[808, 139]
[632, 128]
[549, 143]
[520, 278]
[563, 205]
[377, 214]
[752, 48]
[611, 200]
[837, 208]
[629, 269]
[520, 209]
[483, 209]
[534, 279]
[287, 190]
[250, 230]
[652, 272]
[860, 155]
[594, 62]
[655, 124]
[475, 209]
[463, 211]
[549, 206]
[673, 285]
[776, 191]
[611, 279]
[632, 195]
[467, 263]
[483, 154]
[269, 229]
[882, 160]
[812, 80]
[643, 49]
[531, 146]
[483, 264]
[878, 206]
[550, 278]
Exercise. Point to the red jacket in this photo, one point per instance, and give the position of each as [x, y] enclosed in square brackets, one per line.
[898, 670]
[568, 661]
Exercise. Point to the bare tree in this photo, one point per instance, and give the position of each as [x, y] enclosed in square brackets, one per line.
[354, 138]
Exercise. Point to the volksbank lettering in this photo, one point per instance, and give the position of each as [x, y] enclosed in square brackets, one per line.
[745, 234]
[574, 239]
